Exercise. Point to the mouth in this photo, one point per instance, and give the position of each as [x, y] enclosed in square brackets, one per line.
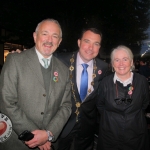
[121, 68]
[89, 52]
[49, 45]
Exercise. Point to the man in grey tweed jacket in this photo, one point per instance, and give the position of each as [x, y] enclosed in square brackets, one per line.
[35, 98]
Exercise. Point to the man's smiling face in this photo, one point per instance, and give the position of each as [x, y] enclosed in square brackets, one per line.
[47, 38]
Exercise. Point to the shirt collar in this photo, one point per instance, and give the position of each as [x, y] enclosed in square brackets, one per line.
[126, 82]
[40, 55]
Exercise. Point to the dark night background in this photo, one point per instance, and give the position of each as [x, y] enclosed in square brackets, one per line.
[121, 21]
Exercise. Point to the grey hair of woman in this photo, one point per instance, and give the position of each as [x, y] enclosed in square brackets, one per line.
[124, 48]
[50, 20]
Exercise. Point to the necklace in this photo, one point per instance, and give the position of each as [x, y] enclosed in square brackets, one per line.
[71, 68]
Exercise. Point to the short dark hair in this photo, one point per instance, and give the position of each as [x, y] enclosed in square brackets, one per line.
[94, 30]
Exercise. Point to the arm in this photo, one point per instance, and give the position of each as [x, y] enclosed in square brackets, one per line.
[9, 97]
[100, 97]
[146, 99]
[40, 140]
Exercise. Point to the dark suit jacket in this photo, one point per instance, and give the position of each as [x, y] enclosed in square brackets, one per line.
[23, 97]
[88, 111]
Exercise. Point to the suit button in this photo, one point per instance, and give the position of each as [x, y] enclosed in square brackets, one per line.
[44, 95]
[42, 113]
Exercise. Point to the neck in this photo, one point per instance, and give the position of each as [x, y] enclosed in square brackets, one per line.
[124, 77]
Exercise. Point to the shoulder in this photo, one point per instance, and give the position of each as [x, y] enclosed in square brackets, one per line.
[138, 77]
[102, 66]
[17, 57]
[141, 82]
[101, 63]
[62, 55]
[59, 63]
[108, 78]
[107, 82]
[65, 57]
[23, 53]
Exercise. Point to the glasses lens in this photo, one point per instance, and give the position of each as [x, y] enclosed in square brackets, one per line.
[118, 101]
[128, 101]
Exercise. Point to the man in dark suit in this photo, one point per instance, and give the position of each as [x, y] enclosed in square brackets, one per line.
[80, 127]
[35, 90]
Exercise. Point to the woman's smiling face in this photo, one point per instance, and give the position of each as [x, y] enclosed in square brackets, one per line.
[122, 63]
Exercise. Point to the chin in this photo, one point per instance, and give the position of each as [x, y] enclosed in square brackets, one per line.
[90, 58]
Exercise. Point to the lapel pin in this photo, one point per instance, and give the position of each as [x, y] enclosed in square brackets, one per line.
[55, 79]
[56, 74]
[99, 71]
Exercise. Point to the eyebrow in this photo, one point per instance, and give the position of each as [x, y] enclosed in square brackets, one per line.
[89, 40]
[44, 31]
[123, 58]
[55, 34]
[48, 32]
[98, 43]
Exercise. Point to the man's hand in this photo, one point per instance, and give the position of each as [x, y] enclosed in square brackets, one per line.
[17, 50]
[40, 138]
[46, 146]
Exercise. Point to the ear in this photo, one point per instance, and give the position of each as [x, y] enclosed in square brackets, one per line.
[79, 41]
[111, 62]
[34, 36]
[59, 41]
[132, 63]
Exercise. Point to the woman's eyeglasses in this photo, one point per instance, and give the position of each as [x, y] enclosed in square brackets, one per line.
[119, 101]
[126, 101]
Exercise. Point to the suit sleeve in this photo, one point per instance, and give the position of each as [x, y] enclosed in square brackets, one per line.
[9, 97]
[100, 97]
[146, 100]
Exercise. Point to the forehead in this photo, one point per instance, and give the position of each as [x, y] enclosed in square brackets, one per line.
[121, 54]
[91, 36]
[49, 26]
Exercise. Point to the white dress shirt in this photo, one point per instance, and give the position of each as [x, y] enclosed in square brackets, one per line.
[79, 69]
[41, 57]
[126, 82]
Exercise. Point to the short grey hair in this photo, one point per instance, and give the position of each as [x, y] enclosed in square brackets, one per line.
[124, 48]
[50, 20]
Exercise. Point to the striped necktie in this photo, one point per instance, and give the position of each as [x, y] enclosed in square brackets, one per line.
[45, 62]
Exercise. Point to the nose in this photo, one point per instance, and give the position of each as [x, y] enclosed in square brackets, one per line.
[49, 38]
[90, 46]
[121, 62]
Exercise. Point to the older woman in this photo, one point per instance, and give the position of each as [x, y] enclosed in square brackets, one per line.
[122, 100]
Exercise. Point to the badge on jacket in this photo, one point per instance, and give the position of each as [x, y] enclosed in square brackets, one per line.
[5, 128]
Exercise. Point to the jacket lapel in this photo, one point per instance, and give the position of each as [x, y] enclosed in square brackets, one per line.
[74, 73]
[96, 81]
[54, 68]
[35, 65]
[74, 80]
